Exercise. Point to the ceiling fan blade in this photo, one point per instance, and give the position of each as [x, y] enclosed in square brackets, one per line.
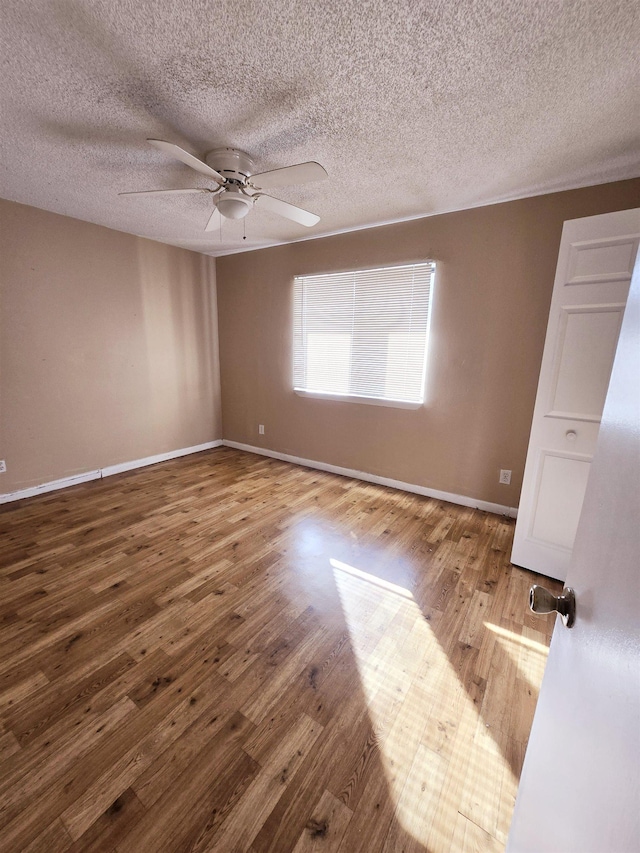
[164, 192]
[303, 173]
[290, 211]
[184, 156]
[214, 220]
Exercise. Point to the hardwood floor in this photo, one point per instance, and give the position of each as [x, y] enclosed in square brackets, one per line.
[227, 652]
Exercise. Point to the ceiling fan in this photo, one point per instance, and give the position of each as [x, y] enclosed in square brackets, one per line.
[239, 188]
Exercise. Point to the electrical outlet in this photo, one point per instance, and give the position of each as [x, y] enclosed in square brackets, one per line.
[505, 477]
[260, 429]
[3, 466]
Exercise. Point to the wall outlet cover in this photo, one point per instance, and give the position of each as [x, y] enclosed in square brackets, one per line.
[3, 466]
[505, 477]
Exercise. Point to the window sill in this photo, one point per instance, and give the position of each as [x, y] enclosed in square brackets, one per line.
[368, 401]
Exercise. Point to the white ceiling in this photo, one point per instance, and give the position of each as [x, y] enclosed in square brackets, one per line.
[413, 107]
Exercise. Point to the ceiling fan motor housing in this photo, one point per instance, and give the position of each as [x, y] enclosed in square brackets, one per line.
[235, 165]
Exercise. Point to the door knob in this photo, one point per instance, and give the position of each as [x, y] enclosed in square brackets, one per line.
[543, 601]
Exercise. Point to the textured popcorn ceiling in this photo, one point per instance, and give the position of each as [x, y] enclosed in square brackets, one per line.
[413, 107]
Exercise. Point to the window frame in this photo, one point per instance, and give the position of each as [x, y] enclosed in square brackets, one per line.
[357, 398]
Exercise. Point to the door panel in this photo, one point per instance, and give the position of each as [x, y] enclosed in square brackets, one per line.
[584, 357]
[593, 261]
[562, 483]
[590, 291]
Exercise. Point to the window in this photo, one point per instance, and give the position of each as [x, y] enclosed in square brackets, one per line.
[362, 335]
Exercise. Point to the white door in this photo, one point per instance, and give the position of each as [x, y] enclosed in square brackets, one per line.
[595, 263]
[580, 785]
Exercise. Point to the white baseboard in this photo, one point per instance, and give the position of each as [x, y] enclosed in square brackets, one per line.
[109, 470]
[462, 500]
[65, 482]
[51, 486]
[159, 457]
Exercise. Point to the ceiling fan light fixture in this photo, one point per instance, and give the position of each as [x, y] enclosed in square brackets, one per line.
[233, 204]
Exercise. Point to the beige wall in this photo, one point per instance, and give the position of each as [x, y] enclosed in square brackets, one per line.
[495, 275]
[108, 348]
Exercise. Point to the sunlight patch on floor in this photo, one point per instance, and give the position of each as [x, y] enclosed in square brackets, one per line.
[526, 650]
[365, 576]
[440, 760]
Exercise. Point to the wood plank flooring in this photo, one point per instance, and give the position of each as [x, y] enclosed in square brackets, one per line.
[230, 653]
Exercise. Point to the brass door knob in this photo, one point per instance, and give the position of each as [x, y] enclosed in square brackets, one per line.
[543, 601]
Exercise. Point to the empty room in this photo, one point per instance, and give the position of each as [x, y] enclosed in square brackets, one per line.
[319, 427]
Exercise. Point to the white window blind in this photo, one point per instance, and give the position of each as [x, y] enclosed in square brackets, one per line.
[363, 334]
